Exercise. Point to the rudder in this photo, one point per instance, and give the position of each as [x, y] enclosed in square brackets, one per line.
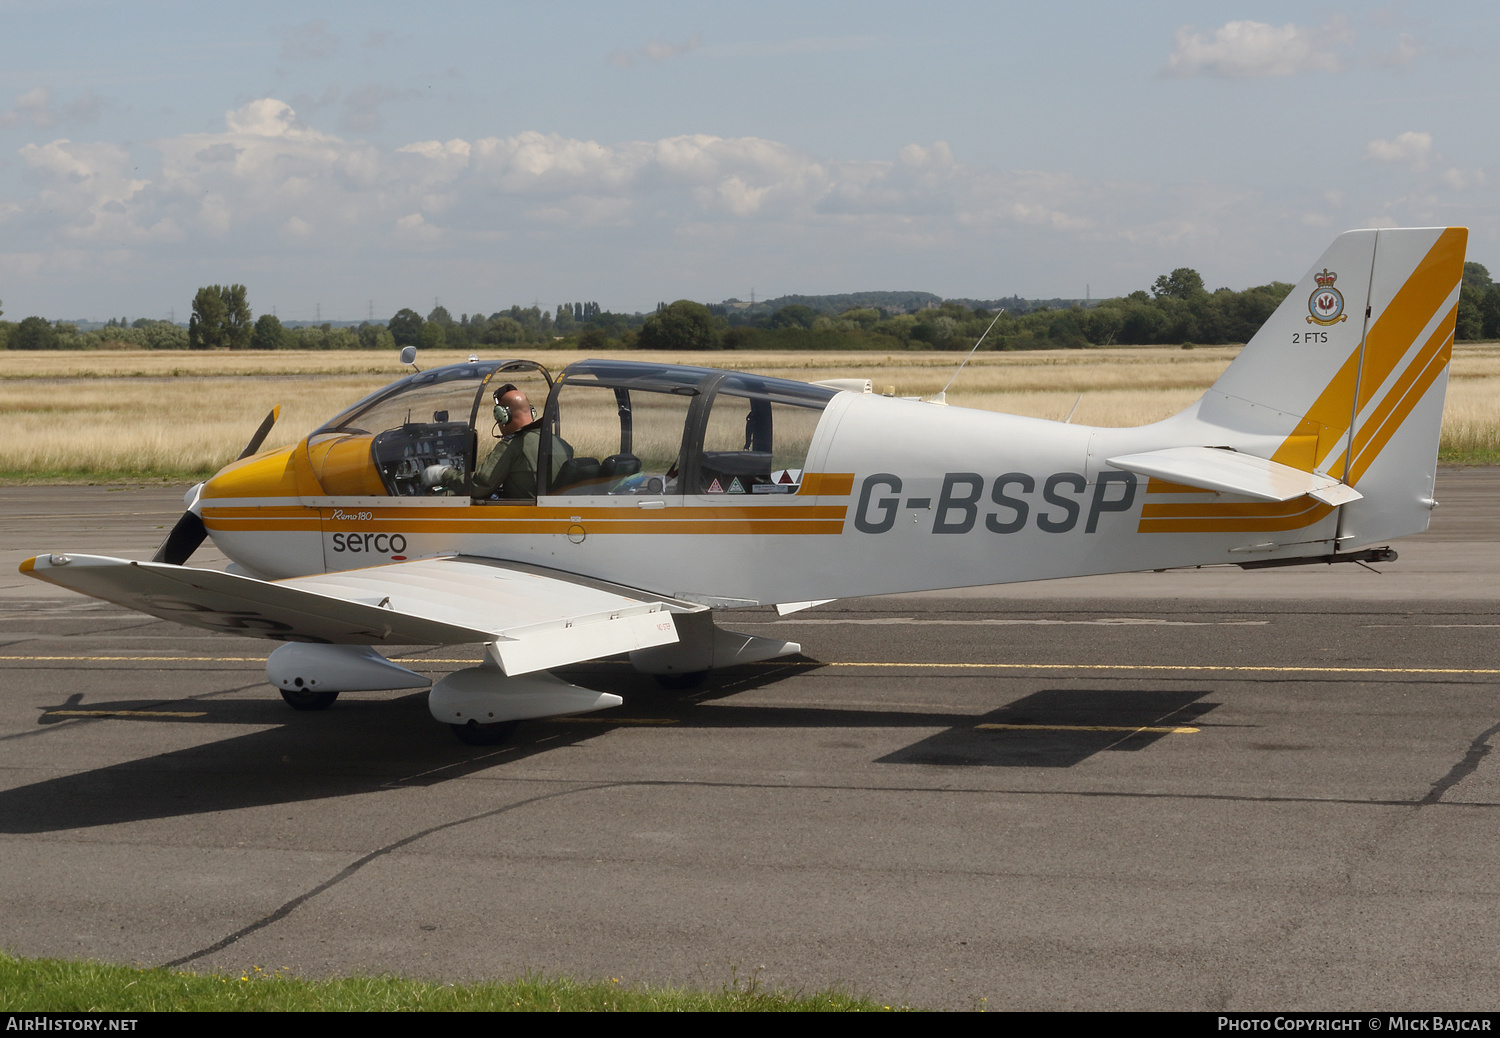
[1350, 373]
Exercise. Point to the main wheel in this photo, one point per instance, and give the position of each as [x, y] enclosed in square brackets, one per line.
[308, 698]
[476, 734]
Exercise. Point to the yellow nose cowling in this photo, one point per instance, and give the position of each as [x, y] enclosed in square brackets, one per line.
[275, 474]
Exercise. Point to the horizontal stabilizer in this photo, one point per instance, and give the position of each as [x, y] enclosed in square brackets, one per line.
[1229, 472]
[534, 619]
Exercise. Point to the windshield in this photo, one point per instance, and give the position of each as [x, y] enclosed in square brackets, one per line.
[383, 445]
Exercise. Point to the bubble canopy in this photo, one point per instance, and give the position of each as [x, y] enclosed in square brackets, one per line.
[608, 427]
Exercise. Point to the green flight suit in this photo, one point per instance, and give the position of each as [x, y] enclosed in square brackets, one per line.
[510, 468]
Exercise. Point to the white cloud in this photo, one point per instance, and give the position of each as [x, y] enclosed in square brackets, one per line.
[1463, 179]
[269, 173]
[264, 118]
[681, 207]
[1246, 49]
[656, 50]
[36, 108]
[1410, 148]
[88, 190]
[413, 229]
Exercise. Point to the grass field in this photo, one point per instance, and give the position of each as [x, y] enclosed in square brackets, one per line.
[59, 986]
[69, 417]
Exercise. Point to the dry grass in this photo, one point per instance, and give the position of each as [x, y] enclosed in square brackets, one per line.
[171, 427]
[81, 415]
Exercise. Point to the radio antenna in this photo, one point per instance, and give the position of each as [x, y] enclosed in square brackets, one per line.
[942, 396]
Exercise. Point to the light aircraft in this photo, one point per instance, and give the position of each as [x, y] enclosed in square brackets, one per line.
[668, 492]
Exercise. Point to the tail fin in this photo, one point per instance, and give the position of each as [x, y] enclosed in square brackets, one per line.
[1351, 370]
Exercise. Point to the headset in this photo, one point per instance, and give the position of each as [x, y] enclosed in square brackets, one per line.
[502, 413]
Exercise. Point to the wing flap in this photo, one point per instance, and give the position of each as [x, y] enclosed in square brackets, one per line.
[534, 619]
[586, 638]
[1230, 472]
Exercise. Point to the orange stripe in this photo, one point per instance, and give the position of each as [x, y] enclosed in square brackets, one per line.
[488, 513]
[1306, 517]
[1382, 436]
[1387, 342]
[1162, 486]
[555, 526]
[239, 525]
[722, 528]
[1436, 350]
[1327, 418]
[277, 511]
[1223, 509]
[1413, 306]
[828, 484]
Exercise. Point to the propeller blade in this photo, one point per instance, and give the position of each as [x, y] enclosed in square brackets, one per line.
[190, 531]
[260, 436]
[182, 541]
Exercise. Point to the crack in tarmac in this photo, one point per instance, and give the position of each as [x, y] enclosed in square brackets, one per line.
[1477, 751]
[349, 870]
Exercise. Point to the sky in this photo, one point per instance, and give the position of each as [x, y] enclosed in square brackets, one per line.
[346, 160]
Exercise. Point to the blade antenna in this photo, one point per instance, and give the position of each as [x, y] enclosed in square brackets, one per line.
[942, 397]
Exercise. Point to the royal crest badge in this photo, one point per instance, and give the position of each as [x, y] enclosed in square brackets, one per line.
[1326, 305]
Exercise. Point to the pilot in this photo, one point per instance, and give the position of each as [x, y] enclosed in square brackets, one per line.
[509, 470]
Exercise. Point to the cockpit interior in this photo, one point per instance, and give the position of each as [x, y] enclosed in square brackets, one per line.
[603, 427]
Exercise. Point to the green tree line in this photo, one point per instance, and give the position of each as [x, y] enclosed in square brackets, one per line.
[1177, 310]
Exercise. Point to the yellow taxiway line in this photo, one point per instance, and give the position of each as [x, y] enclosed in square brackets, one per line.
[126, 713]
[1161, 730]
[1154, 668]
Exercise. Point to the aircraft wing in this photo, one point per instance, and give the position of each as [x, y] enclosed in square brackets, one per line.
[533, 618]
[1230, 472]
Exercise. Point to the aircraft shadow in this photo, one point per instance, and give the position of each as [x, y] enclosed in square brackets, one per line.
[1059, 728]
[357, 747]
[362, 746]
